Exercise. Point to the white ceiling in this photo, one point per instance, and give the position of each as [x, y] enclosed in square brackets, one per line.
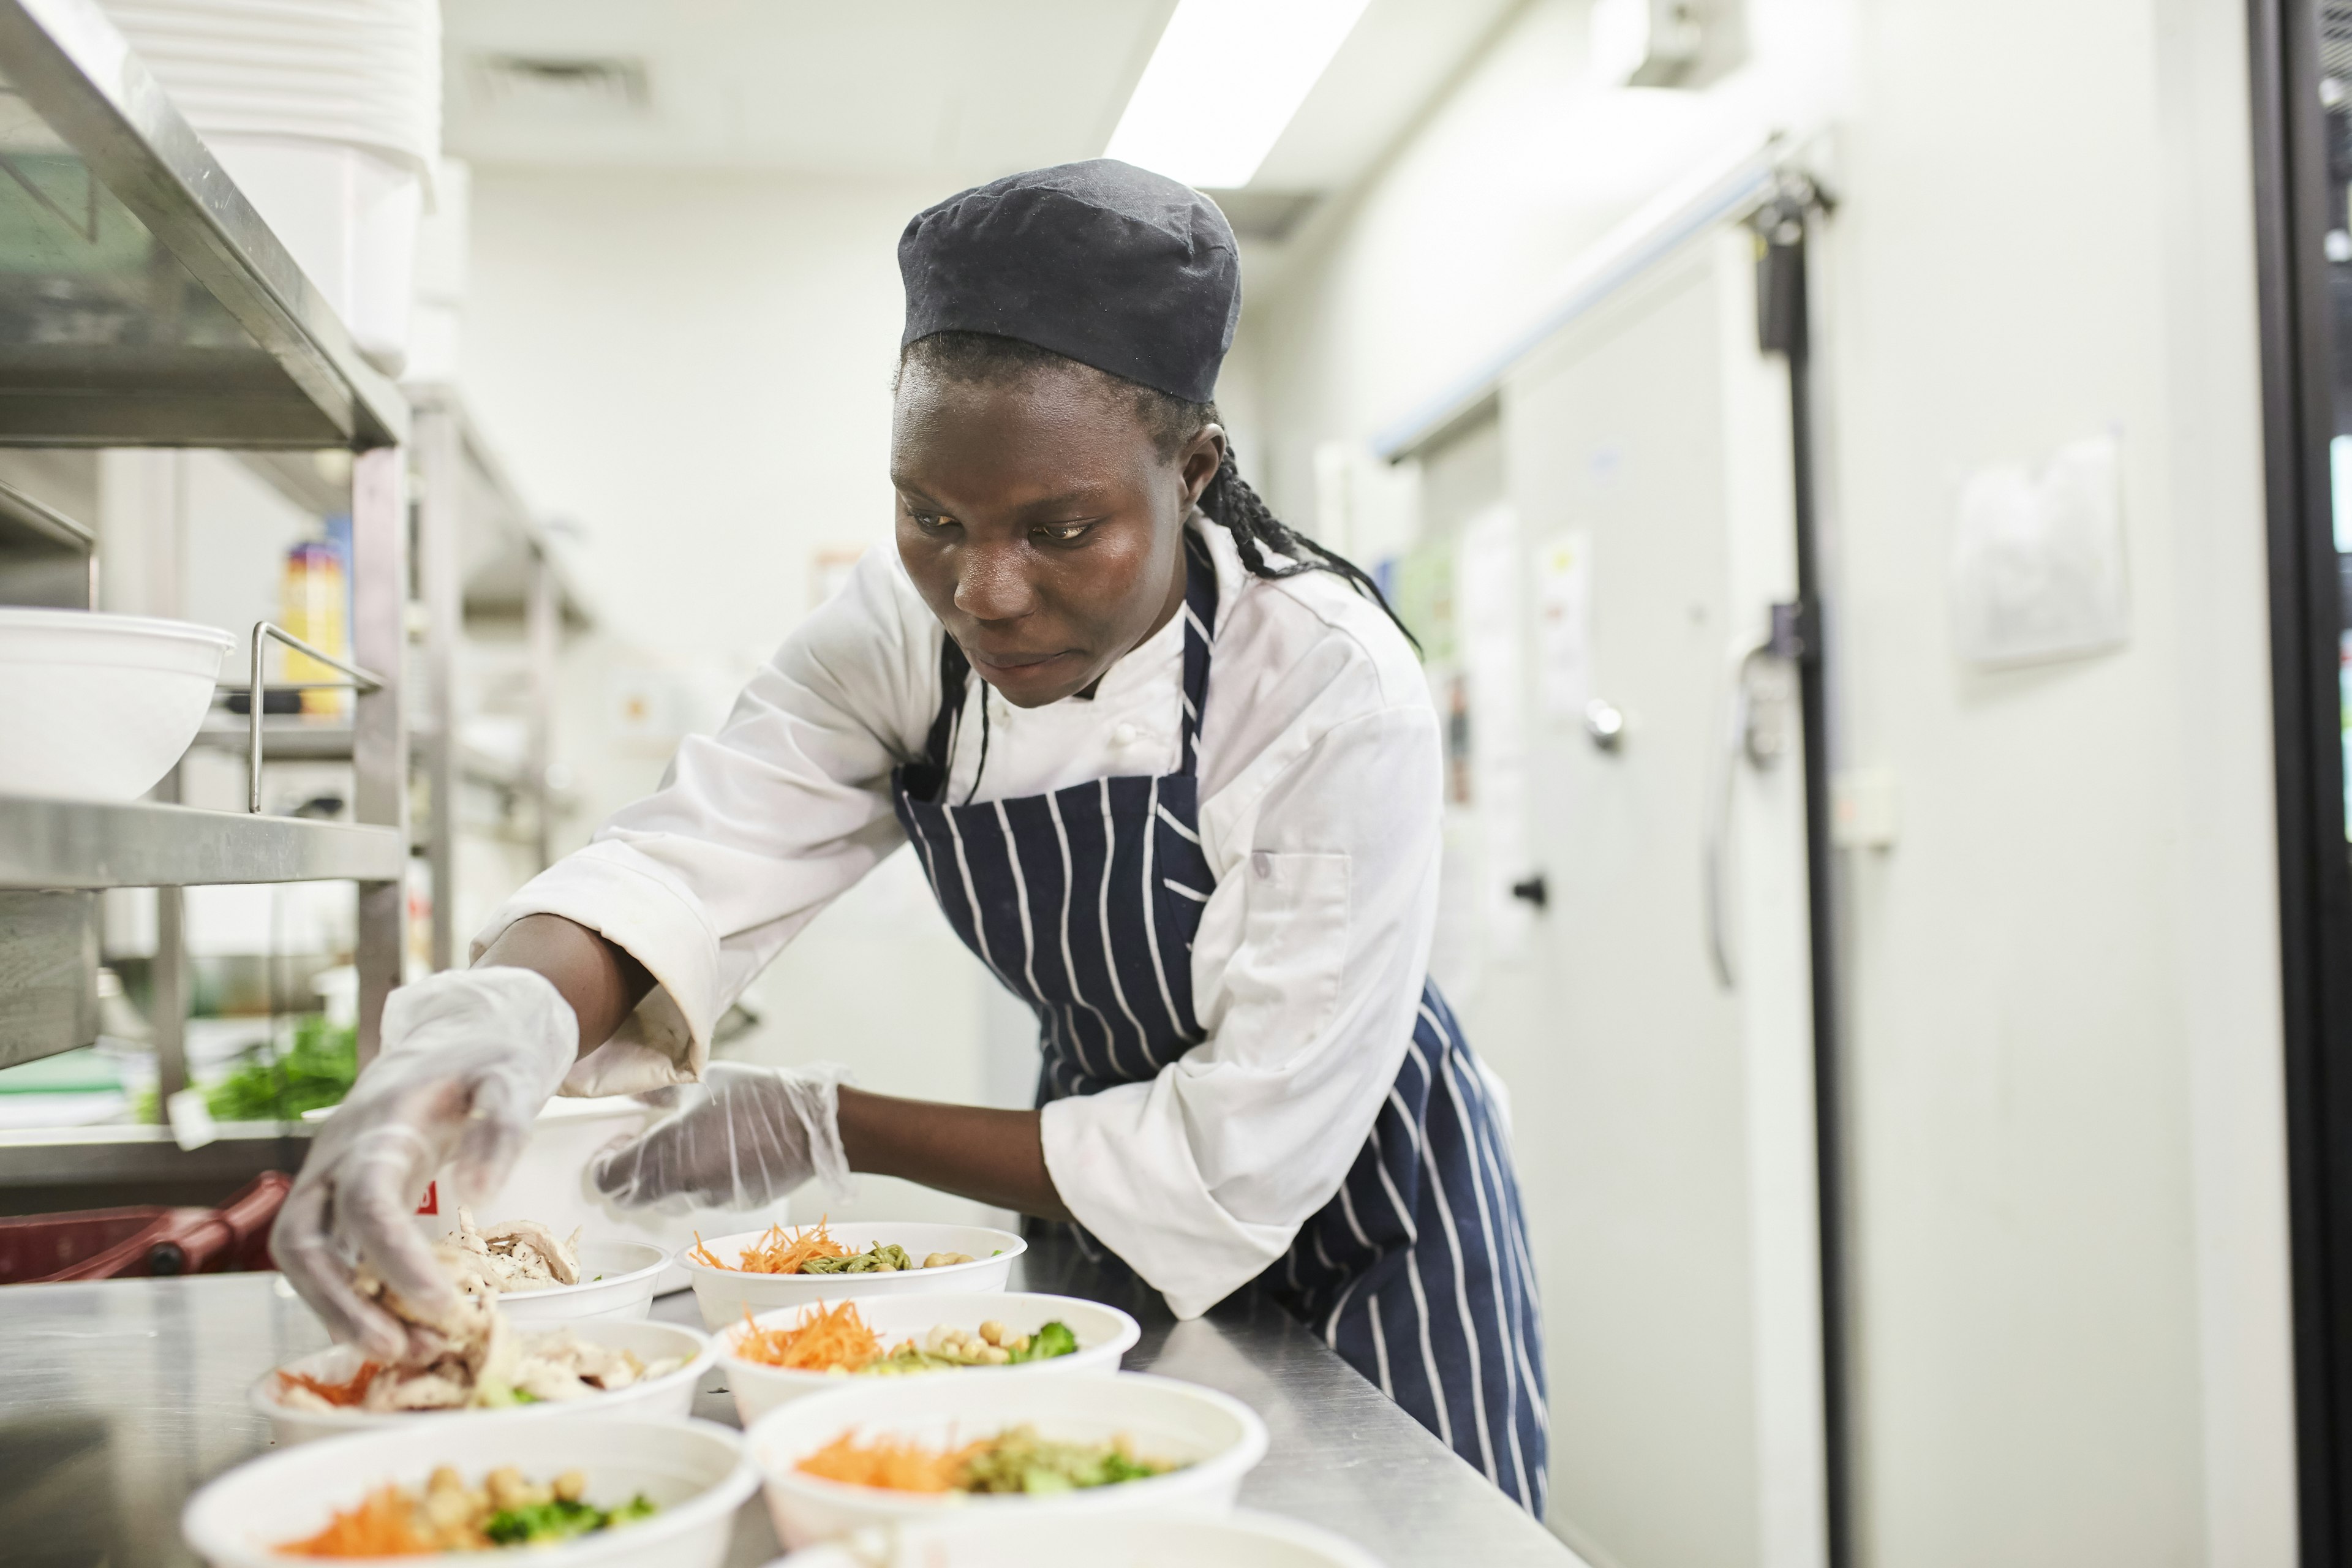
[960, 88]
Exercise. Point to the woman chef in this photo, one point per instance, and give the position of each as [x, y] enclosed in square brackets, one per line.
[1173, 775]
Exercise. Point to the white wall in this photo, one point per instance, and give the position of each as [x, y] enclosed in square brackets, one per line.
[2062, 1013]
[695, 368]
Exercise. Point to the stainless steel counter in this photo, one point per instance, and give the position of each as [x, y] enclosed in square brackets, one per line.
[120, 1398]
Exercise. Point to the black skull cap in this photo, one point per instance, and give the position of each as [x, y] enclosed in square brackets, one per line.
[1101, 262]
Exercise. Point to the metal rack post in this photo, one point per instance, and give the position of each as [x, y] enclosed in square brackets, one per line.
[441, 576]
[379, 724]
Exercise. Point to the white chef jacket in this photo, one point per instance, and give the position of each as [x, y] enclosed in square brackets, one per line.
[1319, 767]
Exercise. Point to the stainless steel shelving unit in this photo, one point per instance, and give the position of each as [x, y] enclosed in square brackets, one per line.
[144, 302]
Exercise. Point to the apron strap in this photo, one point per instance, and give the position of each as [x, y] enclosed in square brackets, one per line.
[930, 781]
[1200, 630]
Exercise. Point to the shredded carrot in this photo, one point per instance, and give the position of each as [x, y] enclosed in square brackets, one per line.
[350, 1391]
[776, 1252]
[825, 1338]
[385, 1525]
[899, 1466]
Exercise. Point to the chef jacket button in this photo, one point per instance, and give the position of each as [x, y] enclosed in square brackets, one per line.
[1261, 863]
[1123, 734]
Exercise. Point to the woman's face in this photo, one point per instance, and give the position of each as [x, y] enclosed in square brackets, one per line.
[1040, 522]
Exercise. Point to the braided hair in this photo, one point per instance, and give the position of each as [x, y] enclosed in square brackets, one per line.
[985, 359]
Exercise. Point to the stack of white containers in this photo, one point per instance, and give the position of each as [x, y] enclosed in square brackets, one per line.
[327, 114]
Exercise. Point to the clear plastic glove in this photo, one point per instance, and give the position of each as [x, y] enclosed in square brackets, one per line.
[469, 1058]
[750, 1135]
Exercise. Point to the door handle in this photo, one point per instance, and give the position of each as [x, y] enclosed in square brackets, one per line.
[1604, 722]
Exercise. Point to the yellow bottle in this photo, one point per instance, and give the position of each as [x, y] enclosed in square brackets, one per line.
[310, 605]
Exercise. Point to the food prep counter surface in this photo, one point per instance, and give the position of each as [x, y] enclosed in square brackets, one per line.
[119, 1398]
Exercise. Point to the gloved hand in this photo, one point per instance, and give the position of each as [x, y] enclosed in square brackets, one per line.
[749, 1135]
[469, 1056]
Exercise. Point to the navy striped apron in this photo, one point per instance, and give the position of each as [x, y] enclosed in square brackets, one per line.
[1083, 903]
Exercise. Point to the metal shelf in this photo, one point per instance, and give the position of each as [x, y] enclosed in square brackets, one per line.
[143, 300]
[59, 844]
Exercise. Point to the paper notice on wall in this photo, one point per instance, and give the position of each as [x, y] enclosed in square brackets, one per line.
[2038, 559]
[1564, 624]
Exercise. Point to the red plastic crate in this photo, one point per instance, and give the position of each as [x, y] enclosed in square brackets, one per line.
[138, 1243]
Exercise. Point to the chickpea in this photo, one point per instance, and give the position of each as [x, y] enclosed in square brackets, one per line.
[993, 1331]
[938, 1341]
[571, 1486]
[507, 1488]
[1019, 1343]
[449, 1508]
[943, 1259]
[994, 1355]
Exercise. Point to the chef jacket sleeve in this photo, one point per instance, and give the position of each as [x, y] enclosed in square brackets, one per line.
[1200, 1177]
[754, 829]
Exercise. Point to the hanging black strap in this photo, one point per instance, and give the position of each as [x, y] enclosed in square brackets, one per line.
[955, 672]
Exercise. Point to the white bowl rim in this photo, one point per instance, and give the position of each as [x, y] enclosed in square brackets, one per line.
[722, 1496]
[30, 616]
[545, 1293]
[262, 1397]
[660, 1262]
[1130, 1332]
[1250, 1449]
[701, 1270]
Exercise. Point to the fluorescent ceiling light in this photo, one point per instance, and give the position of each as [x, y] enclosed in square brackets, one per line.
[1225, 79]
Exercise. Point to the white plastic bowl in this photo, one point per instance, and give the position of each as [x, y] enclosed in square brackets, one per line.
[696, 1471]
[1104, 1334]
[653, 1398]
[99, 707]
[1218, 1437]
[1240, 1539]
[616, 1281]
[723, 1293]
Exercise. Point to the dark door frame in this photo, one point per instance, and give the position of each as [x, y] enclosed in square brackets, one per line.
[2292, 200]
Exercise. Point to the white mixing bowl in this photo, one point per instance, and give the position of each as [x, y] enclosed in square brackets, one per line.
[1104, 1335]
[652, 1398]
[724, 1293]
[99, 707]
[1240, 1539]
[694, 1471]
[1216, 1438]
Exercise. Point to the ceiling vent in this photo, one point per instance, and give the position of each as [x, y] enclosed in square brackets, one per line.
[559, 88]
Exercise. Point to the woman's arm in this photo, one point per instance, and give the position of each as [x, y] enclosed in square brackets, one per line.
[603, 984]
[994, 1157]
